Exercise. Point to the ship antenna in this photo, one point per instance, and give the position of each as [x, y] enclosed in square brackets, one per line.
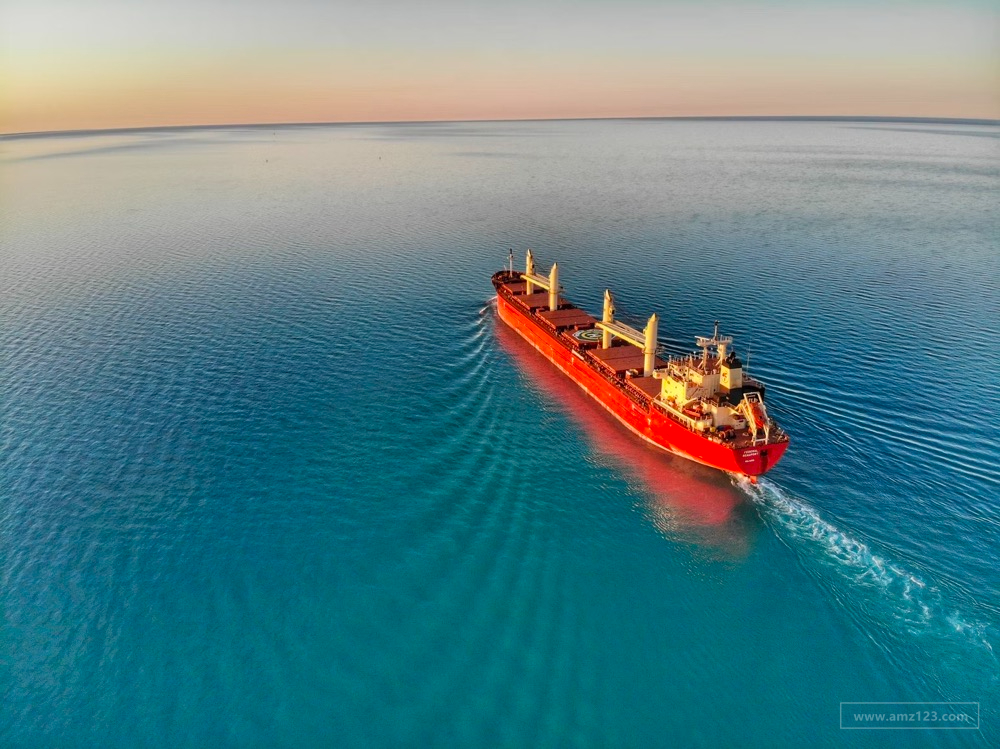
[746, 367]
[511, 259]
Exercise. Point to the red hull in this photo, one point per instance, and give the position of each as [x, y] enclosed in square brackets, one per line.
[649, 423]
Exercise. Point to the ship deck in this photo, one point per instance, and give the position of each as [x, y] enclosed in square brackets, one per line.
[570, 317]
[620, 364]
[624, 358]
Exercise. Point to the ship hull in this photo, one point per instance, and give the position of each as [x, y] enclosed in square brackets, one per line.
[649, 423]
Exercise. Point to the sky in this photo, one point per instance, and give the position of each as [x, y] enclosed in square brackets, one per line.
[92, 64]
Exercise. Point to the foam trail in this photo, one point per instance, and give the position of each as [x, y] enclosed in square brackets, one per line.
[894, 591]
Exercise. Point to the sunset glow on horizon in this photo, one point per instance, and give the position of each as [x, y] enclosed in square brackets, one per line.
[108, 64]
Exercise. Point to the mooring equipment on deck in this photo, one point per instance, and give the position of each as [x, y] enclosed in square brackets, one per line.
[701, 405]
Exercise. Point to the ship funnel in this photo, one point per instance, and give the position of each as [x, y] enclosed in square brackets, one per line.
[609, 316]
[649, 350]
[554, 287]
[529, 270]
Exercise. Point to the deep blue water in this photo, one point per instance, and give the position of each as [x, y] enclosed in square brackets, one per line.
[271, 474]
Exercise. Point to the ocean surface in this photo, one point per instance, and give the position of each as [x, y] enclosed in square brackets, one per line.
[272, 474]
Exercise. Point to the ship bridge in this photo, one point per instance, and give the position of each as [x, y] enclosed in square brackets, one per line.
[703, 399]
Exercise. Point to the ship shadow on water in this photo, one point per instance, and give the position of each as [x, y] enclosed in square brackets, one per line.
[683, 499]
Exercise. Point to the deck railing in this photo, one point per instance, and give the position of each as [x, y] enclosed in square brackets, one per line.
[629, 391]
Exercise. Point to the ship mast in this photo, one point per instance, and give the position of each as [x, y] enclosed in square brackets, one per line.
[644, 339]
[533, 279]
[720, 343]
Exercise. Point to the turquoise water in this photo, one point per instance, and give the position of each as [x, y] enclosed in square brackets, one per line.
[272, 474]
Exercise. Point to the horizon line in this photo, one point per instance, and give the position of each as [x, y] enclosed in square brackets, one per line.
[745, 118]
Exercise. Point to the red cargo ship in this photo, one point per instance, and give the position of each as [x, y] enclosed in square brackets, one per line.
[702, 406]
